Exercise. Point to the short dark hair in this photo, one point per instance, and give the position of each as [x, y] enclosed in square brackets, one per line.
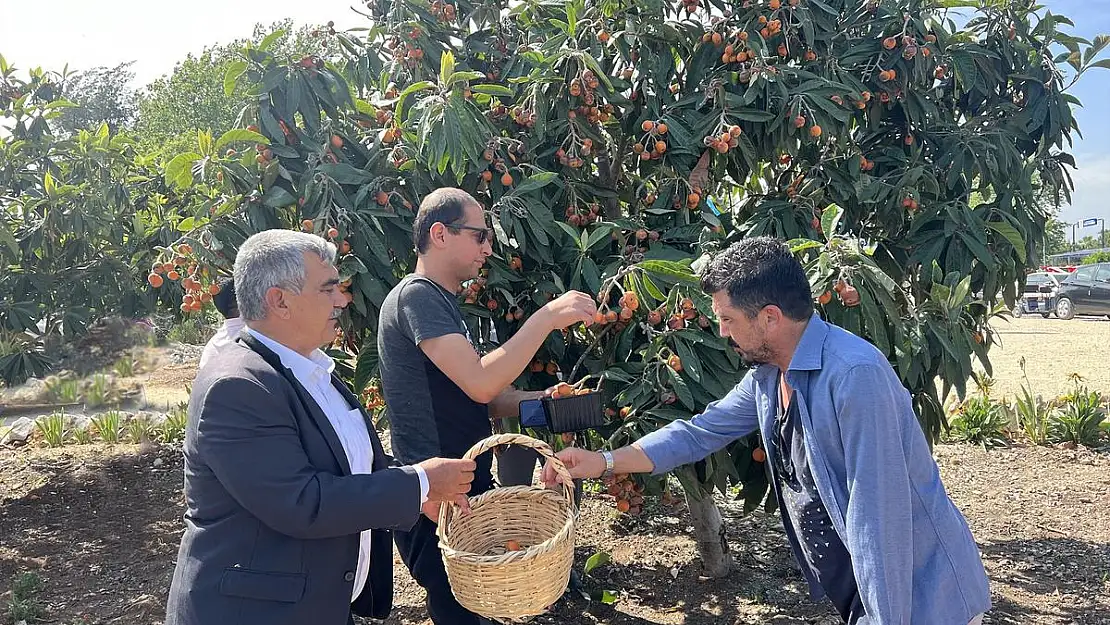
[759, 272]
[446, 205]
[224, 301]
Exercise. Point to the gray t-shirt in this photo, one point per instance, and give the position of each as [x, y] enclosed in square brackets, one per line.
[429, 415]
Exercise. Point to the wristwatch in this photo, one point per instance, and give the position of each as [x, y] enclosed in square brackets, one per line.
[608, 473]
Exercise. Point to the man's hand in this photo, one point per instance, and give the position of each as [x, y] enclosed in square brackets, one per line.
[431, 508]
[580, 463]
[570, 308]
[448, 478]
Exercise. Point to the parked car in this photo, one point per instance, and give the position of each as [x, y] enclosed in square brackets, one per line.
[1086, 291]
[1040, 294]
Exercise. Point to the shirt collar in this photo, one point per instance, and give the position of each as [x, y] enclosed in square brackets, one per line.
[311, 368]
[234, 326]
[808, 354]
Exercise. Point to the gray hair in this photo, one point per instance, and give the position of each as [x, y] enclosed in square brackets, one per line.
[273, 258]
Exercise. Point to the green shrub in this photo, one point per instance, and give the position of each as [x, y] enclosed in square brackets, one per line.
[62, 390]
[107, 426]
[1097, 257]
[53, 429]
[23, 604]
[980, 421]
[1033, 413]
[1079, 419]
[173, 429]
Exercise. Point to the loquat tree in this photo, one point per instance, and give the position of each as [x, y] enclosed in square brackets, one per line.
[618, 142]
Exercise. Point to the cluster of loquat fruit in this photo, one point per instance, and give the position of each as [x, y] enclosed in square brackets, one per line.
[652, 145]
[180, 267]
[628, 494]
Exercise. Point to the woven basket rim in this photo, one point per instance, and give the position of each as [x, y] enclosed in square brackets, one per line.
[529, 553]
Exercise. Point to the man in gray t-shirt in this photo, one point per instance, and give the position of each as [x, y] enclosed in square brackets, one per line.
[440, 394]
[429, 414]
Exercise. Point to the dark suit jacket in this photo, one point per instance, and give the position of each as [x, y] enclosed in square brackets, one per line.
[273, 513]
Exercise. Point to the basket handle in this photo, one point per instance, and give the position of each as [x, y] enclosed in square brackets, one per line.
[446, 509]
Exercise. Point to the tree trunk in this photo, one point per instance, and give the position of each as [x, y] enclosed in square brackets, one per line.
[710, 534]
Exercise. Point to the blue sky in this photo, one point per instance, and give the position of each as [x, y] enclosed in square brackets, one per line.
[88, 34]
[1092, 152]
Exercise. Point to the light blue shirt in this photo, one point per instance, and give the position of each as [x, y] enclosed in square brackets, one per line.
[913, 555]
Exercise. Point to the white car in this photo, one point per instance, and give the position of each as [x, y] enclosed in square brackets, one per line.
[1040, 294]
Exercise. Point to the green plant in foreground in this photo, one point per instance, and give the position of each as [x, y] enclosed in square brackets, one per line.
[173, 429]
[1033, 413]
[980, 421]
[53, 429]
[1080, 417]
[23, 605]
[107, 426]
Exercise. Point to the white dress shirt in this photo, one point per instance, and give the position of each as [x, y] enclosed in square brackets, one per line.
[223, 338]
[314, 373]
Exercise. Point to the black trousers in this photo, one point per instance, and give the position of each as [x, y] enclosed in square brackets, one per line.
[419, 549]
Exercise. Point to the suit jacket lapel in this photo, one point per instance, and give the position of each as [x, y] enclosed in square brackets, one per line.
[310, 405]
[380, 459]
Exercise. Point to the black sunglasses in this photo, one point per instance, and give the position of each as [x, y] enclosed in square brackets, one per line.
[484, 234]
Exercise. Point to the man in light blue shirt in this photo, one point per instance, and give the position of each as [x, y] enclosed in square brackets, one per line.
[863, 505]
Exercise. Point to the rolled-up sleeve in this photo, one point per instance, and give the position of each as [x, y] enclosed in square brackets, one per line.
[723, 421]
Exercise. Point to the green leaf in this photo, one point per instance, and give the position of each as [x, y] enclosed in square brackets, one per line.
[599, 234]
[1100, 42]
[411, 89]
[600, 558]
[534, 182]
[569, 230]
[270, 39]
[651, 289]
[278, 197]
[801, 245]
[960, 293]
[751, 115]
[49, 186]
[675, 271]
[1012, 235]
[1103, 64]
[690, 362]
[495, 90]
[680, 389]
[7, 238]
[446, 67]
[831, 11]
[366, 365]
[231, 76]
[179, 171]
[240, 134]
[345, 174]
[830, 219]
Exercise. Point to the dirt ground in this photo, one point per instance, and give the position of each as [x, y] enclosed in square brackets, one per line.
[100, 526]
[1052, 349]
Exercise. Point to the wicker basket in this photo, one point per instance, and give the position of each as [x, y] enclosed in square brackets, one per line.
[488, 579]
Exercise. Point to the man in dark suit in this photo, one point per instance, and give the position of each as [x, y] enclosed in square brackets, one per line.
[290, 498]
